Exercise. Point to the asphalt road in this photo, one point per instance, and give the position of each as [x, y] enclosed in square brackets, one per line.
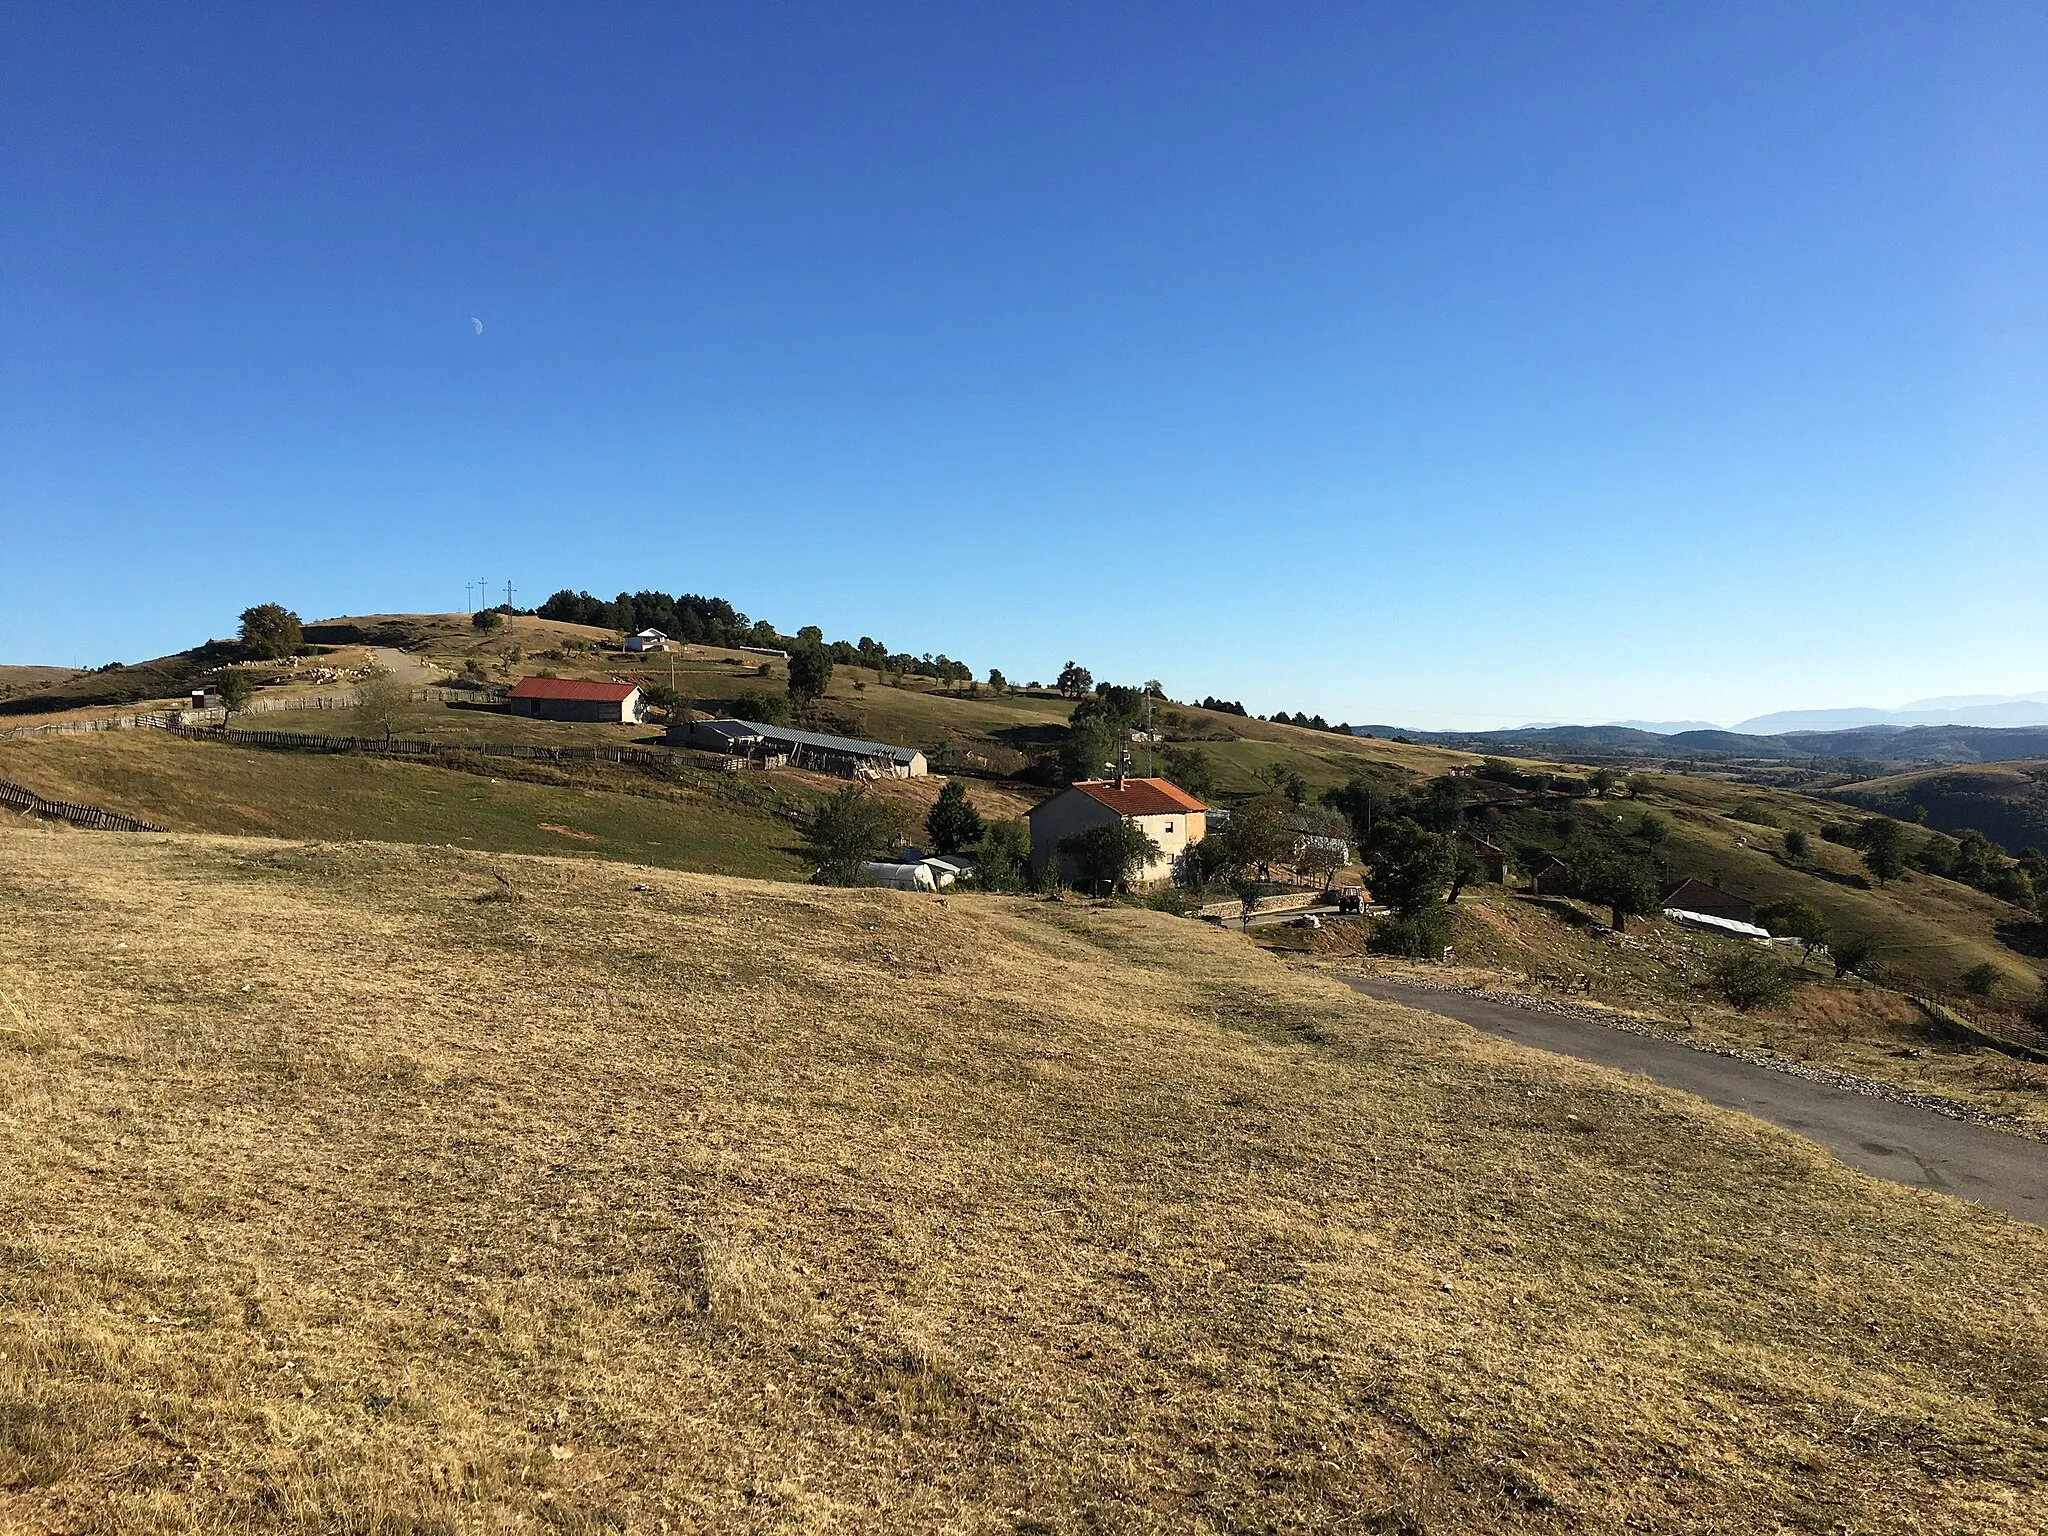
[1894, 1141]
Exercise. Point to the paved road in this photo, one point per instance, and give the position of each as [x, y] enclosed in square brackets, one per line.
[1894, 1141]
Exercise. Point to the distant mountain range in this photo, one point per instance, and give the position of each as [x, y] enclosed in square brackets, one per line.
[1981, 709]
[1869, 743]
[1992, 710]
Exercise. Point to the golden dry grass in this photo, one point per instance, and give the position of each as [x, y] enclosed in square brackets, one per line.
[355, 1188]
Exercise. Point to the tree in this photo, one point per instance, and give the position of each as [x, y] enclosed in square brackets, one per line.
[1793, 918]
[1750, 977]
[810, 672]
[1319, 844]
[997, 681]
[1283, 780]
[2038, 1014]
[1621, 885]
[1112, 853]
[1086, 750]
[235, 692]
[1465, 869]
[1257, 837]
[1883, 844]
[380, 703]
[487, 619]
[664, 698]
[1364, 804]
[1193, 769]
[1410, 867]
[849, 829]
[1441, 807]
[1854, 956]
[271, 632]
[1603, 780]
[1073, 680]
[952, 823]
[1654, 830]
[1795, 845]
[1002, 859]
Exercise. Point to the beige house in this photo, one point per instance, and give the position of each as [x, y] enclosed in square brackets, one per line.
[1169, 815]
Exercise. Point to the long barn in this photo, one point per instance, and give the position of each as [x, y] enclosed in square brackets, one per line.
[575, 698]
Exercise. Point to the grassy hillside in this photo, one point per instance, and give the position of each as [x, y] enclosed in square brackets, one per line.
[1929, 926]
[341, 1194]
[202, 787]
[2007, 802]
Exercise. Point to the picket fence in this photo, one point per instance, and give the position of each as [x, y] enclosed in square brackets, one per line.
[78, 815]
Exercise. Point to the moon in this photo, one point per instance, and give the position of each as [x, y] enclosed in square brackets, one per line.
[478, 324]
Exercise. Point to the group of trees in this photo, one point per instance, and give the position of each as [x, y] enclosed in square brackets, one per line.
[1969, 857]
[699, 620]
[690, 617]
[848, 830]
[1306, 722]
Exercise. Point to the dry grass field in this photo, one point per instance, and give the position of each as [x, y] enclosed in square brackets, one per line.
[380, 1188]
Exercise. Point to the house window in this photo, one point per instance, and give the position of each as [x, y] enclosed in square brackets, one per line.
[1169, 826]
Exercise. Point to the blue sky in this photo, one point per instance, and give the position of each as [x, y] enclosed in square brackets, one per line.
[1446, 365]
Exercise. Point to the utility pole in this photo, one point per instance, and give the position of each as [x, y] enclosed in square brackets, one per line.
[508, 594]
[466, 608]
[481, 589]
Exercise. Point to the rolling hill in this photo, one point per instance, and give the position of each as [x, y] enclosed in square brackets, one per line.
[373, 1187]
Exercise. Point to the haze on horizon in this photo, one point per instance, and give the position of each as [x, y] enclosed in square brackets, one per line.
[1451, 368]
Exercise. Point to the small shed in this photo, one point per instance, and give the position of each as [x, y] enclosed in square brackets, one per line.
[204, 698]
[1553, 879]
[647, 640]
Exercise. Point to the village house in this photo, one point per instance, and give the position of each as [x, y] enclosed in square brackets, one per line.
[1493, 859]
[575, 698]
[1167, 814]
[647, 640]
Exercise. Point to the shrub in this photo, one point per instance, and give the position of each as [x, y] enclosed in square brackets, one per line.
[1750, 977]
[761, 708]
[1420, 935]
[1981, 980]
[1795, 844]
[487, 619]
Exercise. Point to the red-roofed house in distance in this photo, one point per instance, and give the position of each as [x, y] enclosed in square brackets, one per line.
[1169, 815]
[574, 698]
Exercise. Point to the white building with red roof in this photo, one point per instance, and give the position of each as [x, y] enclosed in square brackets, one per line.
[1165, 812]
[575, 698]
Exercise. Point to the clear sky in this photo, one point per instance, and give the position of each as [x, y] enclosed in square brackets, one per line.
[1437, 364]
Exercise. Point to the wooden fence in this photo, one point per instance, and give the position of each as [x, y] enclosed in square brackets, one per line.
[403, 746]
[78, 815]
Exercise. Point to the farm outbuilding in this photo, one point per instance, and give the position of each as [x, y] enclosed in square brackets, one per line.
[575, 698]
[647, 640]
[776, 745]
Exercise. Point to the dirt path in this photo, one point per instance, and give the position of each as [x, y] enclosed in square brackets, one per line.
[405, 670]
[1895, 1141]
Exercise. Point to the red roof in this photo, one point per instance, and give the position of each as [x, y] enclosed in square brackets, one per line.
[1141, 797]
[571, 688]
